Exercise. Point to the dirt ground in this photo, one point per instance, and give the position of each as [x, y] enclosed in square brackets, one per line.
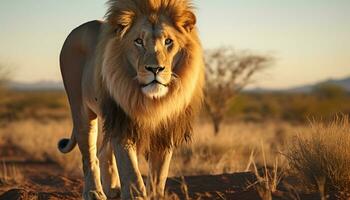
[44, 180]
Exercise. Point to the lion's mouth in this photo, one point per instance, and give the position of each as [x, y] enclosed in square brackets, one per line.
[154, 82]
[155, 89]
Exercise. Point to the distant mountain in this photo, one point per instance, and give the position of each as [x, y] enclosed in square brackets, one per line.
[36, 86]
[344, 83]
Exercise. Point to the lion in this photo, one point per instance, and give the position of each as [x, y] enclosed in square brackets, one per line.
[141, 72]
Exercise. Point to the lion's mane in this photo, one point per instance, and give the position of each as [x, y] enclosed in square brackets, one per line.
[127, 112]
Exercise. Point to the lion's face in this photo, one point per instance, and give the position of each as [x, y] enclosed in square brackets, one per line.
[153, 50]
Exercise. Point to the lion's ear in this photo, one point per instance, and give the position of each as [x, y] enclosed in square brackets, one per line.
[122, 21]
[187, 21]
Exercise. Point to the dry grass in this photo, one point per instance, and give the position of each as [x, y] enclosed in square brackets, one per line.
[321, 157]
[267, 180]
[320, 153]
[9, 174]
[207, 154]
[230, 151]
[39, 140]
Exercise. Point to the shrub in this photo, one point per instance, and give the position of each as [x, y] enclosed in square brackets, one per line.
[321, 157]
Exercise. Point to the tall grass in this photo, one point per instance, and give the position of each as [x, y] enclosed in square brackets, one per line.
[321, 157]
[231, 149]
[207, 154]
[39, 140]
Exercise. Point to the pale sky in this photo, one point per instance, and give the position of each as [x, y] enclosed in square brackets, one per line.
[309, 39]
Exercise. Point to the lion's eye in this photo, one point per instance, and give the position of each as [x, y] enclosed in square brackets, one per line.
[139, 42]
[168, 41]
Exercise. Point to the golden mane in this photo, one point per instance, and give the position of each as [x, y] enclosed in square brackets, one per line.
[122, 12]
[126, 110]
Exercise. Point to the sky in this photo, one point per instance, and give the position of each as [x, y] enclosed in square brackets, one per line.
[309, 40]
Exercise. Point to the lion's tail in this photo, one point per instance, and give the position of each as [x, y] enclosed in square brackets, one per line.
[66, 145]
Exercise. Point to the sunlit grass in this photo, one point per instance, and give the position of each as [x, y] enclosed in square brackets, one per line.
[321, 157]
[206, 154]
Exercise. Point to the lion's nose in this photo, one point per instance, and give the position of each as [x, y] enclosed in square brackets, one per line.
[154, 69]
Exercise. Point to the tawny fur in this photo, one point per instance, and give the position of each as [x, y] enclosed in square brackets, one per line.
[107, 74]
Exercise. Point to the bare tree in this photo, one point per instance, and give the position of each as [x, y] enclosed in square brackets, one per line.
[227, 73]
[4, 75]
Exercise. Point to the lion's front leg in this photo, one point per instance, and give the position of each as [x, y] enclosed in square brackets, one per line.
[159, 162]
[132, 185]
[109, 171]
[86, 139]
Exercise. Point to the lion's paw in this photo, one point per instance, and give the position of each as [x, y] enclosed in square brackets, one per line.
[95, 195]
[113, 193]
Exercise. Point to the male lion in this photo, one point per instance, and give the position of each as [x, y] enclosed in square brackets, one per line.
[141, 71]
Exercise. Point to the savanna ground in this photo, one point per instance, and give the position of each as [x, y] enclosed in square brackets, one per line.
[266, 149]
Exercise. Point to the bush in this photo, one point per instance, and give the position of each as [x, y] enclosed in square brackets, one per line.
[41, 105]
[321, 157]
[329, 91]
